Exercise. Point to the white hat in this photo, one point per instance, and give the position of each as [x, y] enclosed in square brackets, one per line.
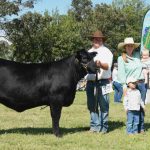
[128, 40]
[130, 79]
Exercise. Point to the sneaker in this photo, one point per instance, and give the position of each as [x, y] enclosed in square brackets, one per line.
[130, 134]
[142, 132]
[93, 131]
[104, 132]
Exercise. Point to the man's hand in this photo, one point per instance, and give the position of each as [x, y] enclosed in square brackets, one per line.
[104, 66]
[98, 64]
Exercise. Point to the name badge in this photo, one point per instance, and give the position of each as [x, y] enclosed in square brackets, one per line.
[107, 89]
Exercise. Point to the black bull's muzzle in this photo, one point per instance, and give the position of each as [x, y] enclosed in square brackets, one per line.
[91, 67]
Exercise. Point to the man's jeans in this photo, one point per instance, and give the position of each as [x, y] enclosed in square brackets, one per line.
[133, 121]
[118, 91]
[98, 105]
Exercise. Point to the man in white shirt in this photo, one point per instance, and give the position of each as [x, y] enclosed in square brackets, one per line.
[97, 89]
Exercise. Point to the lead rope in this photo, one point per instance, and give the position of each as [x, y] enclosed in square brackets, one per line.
[96, 93]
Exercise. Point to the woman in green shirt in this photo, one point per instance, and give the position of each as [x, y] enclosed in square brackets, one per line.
[129, 65]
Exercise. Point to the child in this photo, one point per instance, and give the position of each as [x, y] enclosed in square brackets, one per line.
[146, 64]
[132, 103]
[146, 71]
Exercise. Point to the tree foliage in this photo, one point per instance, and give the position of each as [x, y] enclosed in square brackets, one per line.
[81, 9]
[6, 51]
[39, 37]
[66, 36]
[12, 7]
[30, 38]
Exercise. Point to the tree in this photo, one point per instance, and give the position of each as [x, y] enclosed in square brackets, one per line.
[137, 4]
[133, 15]
[109, 20]
[81, 9]
[43, 38]
[30, 38]
[65, 35]
[6, 51]
[8, 7]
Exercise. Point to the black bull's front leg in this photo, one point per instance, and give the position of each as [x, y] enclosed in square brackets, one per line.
[55, 114]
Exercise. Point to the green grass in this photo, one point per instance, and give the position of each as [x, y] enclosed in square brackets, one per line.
[31, 130]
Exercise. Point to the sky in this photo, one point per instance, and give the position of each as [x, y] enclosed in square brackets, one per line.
[61, 5]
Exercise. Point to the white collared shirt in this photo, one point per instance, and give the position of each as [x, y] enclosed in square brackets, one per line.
[104, 55]
[132, 100]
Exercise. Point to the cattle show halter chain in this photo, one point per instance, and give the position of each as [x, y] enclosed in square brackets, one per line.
[83, 65]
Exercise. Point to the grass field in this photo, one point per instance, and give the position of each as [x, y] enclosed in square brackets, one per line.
[31, 130]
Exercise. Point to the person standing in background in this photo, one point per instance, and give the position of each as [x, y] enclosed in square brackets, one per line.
[118, 89]
[145, 59]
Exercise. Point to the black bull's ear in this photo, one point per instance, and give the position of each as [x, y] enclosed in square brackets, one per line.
[83, 53]
[91, 67]
[93, 54]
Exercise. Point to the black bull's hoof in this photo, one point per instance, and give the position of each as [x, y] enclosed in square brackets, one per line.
[59, 135]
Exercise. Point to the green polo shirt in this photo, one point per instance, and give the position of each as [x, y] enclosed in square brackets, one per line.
[131, 69]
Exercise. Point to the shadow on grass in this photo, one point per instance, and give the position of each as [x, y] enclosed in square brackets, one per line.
[41, 131]
[147, 126]
[27, 130]
[115, 125]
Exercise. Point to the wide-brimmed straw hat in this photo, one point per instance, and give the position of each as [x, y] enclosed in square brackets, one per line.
[128, 40]
[97, 34]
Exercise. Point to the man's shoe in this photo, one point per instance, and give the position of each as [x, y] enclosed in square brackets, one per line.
[104, 132]
[93, 131]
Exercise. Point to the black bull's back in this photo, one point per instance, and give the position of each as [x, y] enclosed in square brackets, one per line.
[24, 86]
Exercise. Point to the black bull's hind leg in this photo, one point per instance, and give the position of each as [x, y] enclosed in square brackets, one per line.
[55, 114]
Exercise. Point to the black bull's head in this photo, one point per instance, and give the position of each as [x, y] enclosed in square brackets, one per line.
[86, 59]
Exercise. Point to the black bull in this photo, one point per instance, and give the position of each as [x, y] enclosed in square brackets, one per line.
[24, 86]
